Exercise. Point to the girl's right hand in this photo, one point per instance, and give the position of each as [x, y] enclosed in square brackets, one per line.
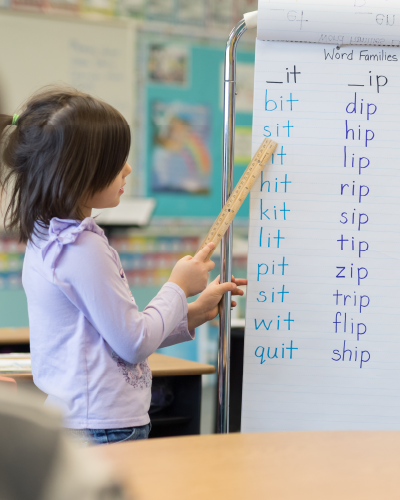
[191, 273]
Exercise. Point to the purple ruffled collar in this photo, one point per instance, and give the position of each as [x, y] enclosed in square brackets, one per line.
[65, 231]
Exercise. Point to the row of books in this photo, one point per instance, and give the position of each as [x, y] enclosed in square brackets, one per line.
[146, 259]
[155, 244]
[208, 13]
[134, 261]
[157, 276]
[11, 260]
[9, 245]
[12, 254]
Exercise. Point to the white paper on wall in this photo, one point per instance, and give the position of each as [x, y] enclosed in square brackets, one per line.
[322, 340]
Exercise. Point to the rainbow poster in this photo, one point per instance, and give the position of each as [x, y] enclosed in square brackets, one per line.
[181, 160]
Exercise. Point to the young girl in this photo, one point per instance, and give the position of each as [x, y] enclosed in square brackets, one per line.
[64, 155]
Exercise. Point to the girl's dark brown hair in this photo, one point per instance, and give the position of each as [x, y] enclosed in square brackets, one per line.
[66, 146]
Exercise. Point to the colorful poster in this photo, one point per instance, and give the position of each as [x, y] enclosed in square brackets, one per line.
[202, 88]
[168, 64]
[181, 160]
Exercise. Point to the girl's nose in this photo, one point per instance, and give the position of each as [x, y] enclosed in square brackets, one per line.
[128, 169]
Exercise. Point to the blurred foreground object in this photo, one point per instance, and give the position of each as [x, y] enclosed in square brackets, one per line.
[37, 462]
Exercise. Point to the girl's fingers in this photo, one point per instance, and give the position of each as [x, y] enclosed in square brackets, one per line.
[233, 303]
[241, 282]
[237, 291]
[238, 282]
[226, 287]
[187, 257]
[210, 265]
[215, 282]
[202, 254]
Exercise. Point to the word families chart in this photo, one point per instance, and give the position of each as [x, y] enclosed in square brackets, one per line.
[322, 340]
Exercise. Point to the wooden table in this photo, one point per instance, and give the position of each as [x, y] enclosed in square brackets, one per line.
[163, 366]
[175, 376]
[179, 376]
[273, 466]
[160, 365]
[11, 336]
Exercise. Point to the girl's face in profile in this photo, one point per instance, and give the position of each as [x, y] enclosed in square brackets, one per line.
[110, 196]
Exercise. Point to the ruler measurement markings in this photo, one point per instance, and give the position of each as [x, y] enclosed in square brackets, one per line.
[239, 194]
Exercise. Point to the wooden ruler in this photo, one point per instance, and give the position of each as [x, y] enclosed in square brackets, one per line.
[242, 189]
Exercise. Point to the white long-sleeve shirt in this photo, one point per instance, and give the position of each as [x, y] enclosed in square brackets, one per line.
[89, 342]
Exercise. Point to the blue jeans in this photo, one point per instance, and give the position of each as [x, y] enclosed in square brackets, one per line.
[88, 437]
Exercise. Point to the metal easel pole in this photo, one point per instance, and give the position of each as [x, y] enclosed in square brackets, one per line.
[226, 243]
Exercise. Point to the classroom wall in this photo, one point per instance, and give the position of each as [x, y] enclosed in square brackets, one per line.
[177, 92]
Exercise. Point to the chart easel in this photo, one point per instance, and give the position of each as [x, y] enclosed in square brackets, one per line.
[249, 21]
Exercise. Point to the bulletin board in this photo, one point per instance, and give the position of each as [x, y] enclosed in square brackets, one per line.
[183, 94]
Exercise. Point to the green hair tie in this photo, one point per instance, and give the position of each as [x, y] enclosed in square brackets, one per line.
[15, 119]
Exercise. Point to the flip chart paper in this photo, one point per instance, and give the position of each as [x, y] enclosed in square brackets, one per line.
[349, 22]
[322, 339]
